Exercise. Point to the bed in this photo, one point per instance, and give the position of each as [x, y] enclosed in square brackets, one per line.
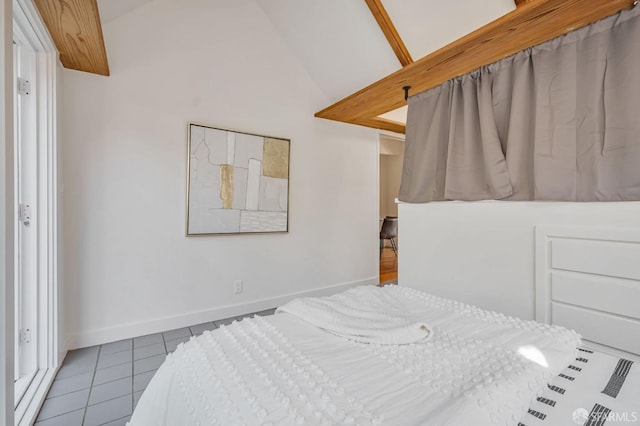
[389, 356]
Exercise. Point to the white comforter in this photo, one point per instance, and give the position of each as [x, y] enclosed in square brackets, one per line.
[475, 368]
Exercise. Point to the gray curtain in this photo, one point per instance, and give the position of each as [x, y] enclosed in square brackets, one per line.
[559, 121]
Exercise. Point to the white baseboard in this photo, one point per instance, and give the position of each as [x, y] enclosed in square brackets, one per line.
[126, 331]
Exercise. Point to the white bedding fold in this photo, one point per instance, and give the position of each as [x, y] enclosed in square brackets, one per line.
[362, 314]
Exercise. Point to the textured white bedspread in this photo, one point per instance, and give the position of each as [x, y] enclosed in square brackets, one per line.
[476, 368]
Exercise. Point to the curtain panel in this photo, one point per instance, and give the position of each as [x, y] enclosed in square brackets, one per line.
[559, 121]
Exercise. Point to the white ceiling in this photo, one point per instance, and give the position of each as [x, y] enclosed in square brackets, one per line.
[427, 25]
[399, 115]
[112, 9]
[340, 44]
[344, 50]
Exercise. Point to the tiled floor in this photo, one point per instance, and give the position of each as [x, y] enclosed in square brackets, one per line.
[101, 385]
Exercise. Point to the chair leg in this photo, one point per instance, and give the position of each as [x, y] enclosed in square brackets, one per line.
[381, 246]
[394, 246]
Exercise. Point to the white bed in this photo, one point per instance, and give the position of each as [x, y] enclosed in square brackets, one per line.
[470, 367]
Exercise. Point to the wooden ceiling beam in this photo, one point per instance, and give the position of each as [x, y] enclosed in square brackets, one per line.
[533, 23]
[390, 32]
[383, 124]
[521, 2]
[75, 28]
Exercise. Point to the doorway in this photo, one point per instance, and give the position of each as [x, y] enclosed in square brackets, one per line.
[390, 166]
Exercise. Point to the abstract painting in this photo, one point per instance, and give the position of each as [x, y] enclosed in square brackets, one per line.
[237, 183]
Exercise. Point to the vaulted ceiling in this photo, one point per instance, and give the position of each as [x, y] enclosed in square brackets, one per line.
[344, 48]
[531, 23]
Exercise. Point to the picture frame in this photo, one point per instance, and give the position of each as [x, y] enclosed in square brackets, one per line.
[237, 182]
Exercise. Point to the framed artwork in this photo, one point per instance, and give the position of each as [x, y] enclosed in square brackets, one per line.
[237, 182]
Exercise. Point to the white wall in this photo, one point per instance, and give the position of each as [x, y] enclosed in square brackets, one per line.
[382, 185]
[483, 252]
[129, 269]
[391, 158]
[390, 180]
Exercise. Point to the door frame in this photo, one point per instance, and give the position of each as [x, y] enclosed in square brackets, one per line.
[29, 28]
[6, 215]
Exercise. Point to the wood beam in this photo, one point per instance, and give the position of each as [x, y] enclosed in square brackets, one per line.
[530, 24]
[382, 124]
[521, 2]
[75, 28]
[389, 30]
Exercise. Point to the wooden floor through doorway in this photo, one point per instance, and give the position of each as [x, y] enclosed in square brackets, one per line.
[388, 266]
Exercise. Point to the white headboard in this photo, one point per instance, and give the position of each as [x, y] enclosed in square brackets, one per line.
[588, 279]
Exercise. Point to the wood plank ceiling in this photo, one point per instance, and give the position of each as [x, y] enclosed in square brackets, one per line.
[76, 30]
[531, 23]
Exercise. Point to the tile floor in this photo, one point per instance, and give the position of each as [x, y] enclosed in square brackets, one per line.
[101, 385]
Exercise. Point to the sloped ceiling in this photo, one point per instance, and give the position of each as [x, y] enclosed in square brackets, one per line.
[427, 25]
[344, 50]
[337, 41]
[341, 45]
[112, 9]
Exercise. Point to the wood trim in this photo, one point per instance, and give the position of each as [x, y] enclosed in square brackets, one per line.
[533, 23]
[75, 28]
[521, 2]
[382, 124]
[390, 32]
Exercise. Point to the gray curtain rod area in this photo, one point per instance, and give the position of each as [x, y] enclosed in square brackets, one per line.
[556, 122]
